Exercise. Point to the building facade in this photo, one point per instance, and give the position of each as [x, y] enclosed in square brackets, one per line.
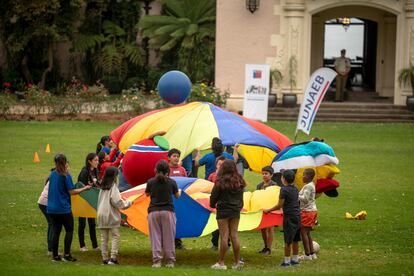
[280, 29]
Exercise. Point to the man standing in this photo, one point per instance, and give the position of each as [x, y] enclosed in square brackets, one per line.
[342, 67]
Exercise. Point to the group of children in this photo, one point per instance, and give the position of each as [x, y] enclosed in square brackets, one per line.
[101, 171]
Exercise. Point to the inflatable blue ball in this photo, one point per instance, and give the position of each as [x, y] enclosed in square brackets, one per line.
[174, 87]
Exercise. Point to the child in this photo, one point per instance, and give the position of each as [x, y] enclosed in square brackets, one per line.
[227, 198]
[174, 162]
[289, 201]
[215, 235]
[267, 233]
[42, 202]
[105, 161]
[213, 176]
[161, 216]
[308, 213]
[59, 206]
[89, 175]
[176, 170]
[104, 145]
[108, 215]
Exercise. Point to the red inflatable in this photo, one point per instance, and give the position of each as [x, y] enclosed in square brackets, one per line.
[138, 164]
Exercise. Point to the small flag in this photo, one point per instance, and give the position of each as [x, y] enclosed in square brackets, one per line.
[257, 74]
[47, 148]
[36, 158]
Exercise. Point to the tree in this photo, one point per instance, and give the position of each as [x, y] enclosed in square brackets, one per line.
[108, 38]
[30, 30]
[187, 31]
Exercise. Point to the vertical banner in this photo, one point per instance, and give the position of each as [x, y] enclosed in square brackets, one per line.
[256, 91]
[315, 91]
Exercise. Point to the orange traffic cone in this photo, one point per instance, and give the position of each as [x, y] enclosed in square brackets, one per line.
[47, 148]
[36, 158]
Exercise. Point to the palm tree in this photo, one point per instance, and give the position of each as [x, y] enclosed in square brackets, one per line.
[188, 29]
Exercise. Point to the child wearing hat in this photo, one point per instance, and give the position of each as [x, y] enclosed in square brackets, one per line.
[289, 201]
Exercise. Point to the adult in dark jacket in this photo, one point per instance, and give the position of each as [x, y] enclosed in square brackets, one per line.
[227, 198]
[89, 175]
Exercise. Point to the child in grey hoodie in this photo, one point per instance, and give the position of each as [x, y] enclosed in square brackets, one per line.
[109, 216]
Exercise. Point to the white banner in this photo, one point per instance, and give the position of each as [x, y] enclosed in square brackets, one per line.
[315, 91]
[256, 92]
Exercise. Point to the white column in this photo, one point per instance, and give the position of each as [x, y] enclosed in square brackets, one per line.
[294, 12]
[405, 49]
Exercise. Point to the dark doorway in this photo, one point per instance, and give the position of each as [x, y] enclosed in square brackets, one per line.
[370, 54]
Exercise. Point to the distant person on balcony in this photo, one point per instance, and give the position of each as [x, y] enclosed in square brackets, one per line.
[342, 67]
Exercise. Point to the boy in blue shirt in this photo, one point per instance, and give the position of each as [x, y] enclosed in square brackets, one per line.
[289, 201]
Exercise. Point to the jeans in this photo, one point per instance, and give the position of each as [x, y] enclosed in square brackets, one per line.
[49, 235]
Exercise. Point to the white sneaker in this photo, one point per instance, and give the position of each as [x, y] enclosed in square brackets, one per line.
[156, 265]
[313, 256]
[305, 258]
[218, 266]
[97, 249]
[169, 265]
[83, 249]
[49, 253]
[238, 266]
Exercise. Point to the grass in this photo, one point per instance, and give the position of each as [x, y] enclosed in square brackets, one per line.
[377, 175]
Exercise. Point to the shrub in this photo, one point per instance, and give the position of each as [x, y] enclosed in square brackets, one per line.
[134, 98]
[208, 93]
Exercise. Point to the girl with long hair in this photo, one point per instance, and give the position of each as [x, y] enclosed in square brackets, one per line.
[227, 198]
[59, 206]
[89, 175]
[161, 216]
[108, 214]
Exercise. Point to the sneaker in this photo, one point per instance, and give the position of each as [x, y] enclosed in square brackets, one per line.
[238, 266]
[214, 248]
[267, 251]
[292, 262]
[261, 251]
[156, 265]
[169, 265]
[113, 262]
[96, 248]
[49, 253]
[83, 249]
[68, 258]
[219, 266]
[305, 258]
[314, 257]
[105, 262]
[57, 259]
[284, 264]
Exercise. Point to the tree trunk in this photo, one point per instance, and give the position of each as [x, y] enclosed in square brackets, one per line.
[25, 70]
[49, 68]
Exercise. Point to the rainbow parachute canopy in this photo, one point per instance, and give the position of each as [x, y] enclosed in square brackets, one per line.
[194, 125]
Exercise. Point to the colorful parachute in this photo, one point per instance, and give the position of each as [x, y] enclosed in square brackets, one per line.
[195, 218]
[317, 155]
[194, 125]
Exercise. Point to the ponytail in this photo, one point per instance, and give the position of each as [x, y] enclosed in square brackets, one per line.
[162, 169]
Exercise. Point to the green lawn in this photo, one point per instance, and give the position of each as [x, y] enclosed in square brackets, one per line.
[377, 176]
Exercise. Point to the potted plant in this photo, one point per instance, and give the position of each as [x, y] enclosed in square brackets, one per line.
[405, 77]
[275, 79]
[289, 100]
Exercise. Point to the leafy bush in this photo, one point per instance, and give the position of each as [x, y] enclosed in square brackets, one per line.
[134, 98]
[7, 100]
[208, 93]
